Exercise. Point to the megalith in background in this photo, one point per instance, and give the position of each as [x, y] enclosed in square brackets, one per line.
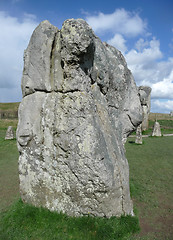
[9, 133]
[156, 130]
[138, 139]
[145, 97]
[80, 102]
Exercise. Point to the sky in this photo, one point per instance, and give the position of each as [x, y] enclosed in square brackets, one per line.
[141, 29]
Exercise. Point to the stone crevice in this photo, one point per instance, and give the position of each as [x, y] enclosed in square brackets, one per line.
[131, 121]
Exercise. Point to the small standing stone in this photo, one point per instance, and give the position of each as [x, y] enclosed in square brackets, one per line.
[9, 133]
[156, 130]
[139, 135]
[145, 98]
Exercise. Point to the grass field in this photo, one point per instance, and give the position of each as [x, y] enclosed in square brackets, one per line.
[151, 178]
[159, 116]
[165, 125]
[9, 106]
[9, 110]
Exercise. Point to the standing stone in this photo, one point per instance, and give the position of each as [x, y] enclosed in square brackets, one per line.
[9, 133]
[80, 102]
[156, 130]
[145, 97]
[139, 135]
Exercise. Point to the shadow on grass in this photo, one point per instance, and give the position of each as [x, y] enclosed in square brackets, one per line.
[23, 221]
[132, 142]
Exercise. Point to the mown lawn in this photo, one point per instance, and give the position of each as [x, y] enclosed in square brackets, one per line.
[151, 178]
[8, 171]
[23, 222]
[9, 106]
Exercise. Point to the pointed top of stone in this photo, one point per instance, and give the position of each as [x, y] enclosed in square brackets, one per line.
[9, 133]
[156, 130]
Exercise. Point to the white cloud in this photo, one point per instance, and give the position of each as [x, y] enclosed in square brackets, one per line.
[14, 38]
[145, 58]
[141, 44]
[120, 21]
[164, 88]
[119, 42]
[149, 70]
[145, 55]
[161, 106]
[145, 62]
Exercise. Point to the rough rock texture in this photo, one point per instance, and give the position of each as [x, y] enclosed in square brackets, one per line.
[156, 130]
[145, 97]
[139, 135]
[9, 133]
[79, 104]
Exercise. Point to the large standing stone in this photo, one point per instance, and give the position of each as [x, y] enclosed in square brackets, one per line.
[145, 97]
[80, 103]
[9, 133]
[156, 130]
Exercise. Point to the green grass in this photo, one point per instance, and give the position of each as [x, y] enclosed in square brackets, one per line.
[155, 160]
[151, 178]
[4, 123]
[9, 106]
[165, 125]
[8, 171]
[160, 116]
[9, 110]
[23, 221]
[163, 131]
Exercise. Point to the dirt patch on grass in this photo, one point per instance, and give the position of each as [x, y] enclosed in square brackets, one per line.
[151, 174]
[156, 223]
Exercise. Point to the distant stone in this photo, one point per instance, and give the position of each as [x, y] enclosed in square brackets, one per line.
[9, 133]
[139, 135]
[80, 102]
[156, 130]
[145, 97]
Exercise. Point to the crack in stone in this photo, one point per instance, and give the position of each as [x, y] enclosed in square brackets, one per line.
[131, 121]
[112, 106]
[55, 91]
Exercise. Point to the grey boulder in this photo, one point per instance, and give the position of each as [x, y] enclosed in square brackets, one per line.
[9, 133]
[80, 102]
[156, 130]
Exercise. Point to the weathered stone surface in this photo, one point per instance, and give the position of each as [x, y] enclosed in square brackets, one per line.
[139, 135]
[145, 97]
[156, 130]
[9, 133]
[80, 103]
